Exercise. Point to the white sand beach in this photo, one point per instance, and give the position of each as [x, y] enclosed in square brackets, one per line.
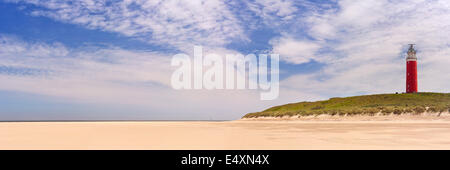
[428, 134]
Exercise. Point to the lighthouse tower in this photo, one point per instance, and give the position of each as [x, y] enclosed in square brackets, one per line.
[411, 70]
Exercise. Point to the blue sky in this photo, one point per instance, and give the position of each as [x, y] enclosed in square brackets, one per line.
[111, 59]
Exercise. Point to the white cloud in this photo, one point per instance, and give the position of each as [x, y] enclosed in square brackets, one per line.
[272, 10]
[295, 51]
[177, 23]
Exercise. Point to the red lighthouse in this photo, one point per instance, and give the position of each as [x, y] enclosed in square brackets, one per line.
[411, 70]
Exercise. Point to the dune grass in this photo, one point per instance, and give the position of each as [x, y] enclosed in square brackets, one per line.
[367, 104]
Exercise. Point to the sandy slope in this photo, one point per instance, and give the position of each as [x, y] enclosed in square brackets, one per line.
[427, 116]
[226, 135]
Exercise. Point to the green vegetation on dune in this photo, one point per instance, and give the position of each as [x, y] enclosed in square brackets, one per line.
[367, 104]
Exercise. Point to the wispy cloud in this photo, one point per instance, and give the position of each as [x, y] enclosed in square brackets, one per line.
[172, 22]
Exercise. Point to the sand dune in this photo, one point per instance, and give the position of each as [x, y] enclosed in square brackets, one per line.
[426, 116]
[226, 135]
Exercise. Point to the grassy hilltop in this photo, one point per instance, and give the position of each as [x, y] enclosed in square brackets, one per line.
[367, 104]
